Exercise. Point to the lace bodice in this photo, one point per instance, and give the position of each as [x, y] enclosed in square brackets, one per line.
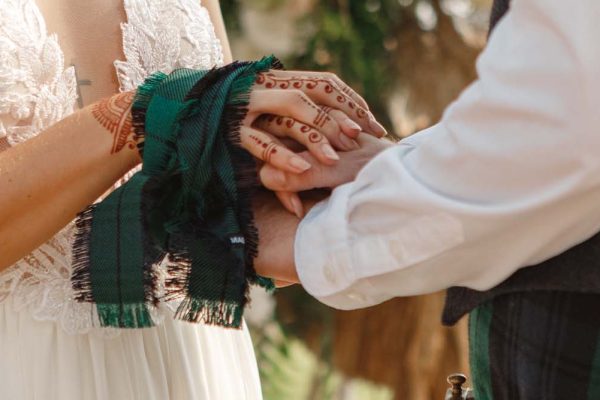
[36, 91]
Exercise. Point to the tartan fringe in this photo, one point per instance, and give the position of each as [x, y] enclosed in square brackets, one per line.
[179, 269]
[81, 278]
[245, 168]
[211, 312]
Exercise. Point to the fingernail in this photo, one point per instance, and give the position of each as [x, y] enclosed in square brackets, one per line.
[278, 177]
[352, 125]
[349, 144]
[376, 126]
[297, 205]
[298, 164]
[329, 152]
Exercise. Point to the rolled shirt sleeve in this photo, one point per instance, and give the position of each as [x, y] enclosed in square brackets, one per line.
[508, 178]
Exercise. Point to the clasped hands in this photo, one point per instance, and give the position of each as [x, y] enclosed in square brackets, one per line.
[310, 131]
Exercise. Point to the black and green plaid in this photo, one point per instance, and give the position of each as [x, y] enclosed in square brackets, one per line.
[189, 203]
[536, 335]
[536, 345]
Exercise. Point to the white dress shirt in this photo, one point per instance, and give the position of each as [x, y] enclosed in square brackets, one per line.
[508, 178]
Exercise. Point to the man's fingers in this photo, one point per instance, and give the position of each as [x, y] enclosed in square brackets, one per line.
[269, 150]
[291, 202]
[281, 284]
[316, 143]
[279, 181]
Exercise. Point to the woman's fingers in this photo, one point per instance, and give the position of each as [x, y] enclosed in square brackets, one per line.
[340, 117]
[324, 176]
[317, 177]
[291, 201]
[316, 143]
[326, 91]
[327, 75]
[297, 105]
[270, 150]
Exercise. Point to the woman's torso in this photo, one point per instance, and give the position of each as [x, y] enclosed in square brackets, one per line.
[101, 47]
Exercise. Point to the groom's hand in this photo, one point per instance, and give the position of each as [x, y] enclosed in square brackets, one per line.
[277, 231]
[321, 176]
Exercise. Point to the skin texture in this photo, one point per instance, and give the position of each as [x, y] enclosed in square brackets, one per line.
[277, 228]
[114, 114]
[47, 180]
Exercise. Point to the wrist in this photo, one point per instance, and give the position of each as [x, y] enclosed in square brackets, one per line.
[114, 115]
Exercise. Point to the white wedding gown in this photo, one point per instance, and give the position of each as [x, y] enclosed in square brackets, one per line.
[50, 347]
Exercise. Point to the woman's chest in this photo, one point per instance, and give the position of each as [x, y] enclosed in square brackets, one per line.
[90, 38]
[115, 44]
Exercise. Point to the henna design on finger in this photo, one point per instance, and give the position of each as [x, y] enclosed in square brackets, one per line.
[298, 83]
[114, 114]
[269, 150]
[305, 128]
[344, 94]
[322, 117]
[290, 122]
[256, 140]
[315, 137]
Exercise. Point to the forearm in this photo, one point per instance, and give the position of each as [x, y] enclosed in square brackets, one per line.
[509, 178]
[47, 180]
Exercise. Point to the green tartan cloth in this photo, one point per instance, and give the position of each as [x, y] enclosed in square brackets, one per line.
[536, 345]
[189, 203]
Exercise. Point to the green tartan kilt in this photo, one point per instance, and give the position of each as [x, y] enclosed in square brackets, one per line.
[538, 345]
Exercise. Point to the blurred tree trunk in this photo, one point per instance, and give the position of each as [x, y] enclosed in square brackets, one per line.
[401, 344]
[433, 68]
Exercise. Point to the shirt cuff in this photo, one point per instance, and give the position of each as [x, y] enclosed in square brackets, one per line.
[321, 234]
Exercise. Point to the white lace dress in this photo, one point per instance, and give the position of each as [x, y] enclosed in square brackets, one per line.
[49, 347]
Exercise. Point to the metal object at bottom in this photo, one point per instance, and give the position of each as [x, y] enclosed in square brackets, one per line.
[457, 392]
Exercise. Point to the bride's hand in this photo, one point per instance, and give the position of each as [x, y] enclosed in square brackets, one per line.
[316, 109]
[320, 176]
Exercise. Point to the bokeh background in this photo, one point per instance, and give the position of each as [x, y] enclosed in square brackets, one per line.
[409, 59]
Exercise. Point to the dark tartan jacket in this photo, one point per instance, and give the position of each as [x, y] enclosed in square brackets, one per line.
[575, 270]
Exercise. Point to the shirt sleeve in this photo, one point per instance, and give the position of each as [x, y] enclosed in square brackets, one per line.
[508, 178]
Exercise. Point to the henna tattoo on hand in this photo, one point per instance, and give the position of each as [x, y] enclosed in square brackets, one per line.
[270, 81]
[312, 135]
[315, 137]
[269, 149]
[322, 117]
[114, 114]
